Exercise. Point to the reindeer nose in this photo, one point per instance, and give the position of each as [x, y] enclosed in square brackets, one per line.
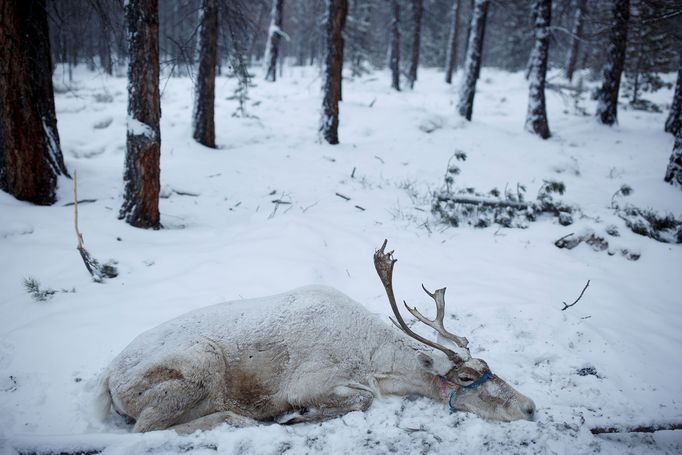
[529, 409]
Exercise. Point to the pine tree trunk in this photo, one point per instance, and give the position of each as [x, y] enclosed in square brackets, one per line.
[536, 119]
[607, 107]
[451, 56]
[394, 59]
[335, 22]
[274, 37]
[204, 93]
[674, 122]
[578, 25]
[673, 173]
[30, 154]
[141, 176]
[472, 65]
[418, 12]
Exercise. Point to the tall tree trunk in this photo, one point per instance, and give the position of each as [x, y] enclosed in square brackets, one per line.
[141, 176]
[673, 174]
[536, 119]
[394, 58]
[472, 65]
[335, 22]
[204, 93]
[30, 154]
[451, 56]
[674, 122]
[418, 12]
[578, 25]
[607, 107]
[274, 37]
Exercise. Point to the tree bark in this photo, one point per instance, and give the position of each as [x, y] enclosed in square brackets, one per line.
[536, 119]
[673, 174]
[335, 22]
[30, 153]
[142, 173]
[674, 122]
[451, 56]
[578, 25]
[204, 96]
[472, 65]
[607, 107]
[418, 12]
[274, 37]
[394, 58]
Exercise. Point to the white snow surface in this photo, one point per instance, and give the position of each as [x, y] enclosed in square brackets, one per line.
[224, 239]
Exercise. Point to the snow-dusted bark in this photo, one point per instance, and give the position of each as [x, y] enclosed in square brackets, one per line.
[30, 154]
[203, 121]
[394, 57]
[536, 118]
[577, 36]
[472, 65]
[417, 13]
[451, 54]
[673, 174]
[674, 122]
[333, 67]
[607, 106]
[274, 36]
[143, 145]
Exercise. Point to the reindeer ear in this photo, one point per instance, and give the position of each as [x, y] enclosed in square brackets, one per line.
[425, 361]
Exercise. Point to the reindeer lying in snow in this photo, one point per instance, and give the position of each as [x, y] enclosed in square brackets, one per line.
[306, 355]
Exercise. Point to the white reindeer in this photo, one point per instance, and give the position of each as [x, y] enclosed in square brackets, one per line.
[305, 355]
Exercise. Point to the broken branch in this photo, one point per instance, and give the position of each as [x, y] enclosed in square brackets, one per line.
[637, 429]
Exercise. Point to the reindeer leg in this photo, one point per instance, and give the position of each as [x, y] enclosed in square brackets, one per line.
[211, 421]
[342, 400]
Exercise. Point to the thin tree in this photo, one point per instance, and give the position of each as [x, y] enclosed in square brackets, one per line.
[673, 174]
[674, 122]
[472, 65]
[576, 37]
[143, 144]
[394, 57]
[335, 21]
[417, 14]
[30, 155]
[204, 92]
[451, 54]
[607, 106]
[536, 119]
[274, 36]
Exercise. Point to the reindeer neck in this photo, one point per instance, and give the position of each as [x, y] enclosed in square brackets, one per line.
[403, 371]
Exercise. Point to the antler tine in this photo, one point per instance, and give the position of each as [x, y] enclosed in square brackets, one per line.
[384, 262]
[437, 324]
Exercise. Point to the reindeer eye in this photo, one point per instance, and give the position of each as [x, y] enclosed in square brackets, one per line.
[465, 379]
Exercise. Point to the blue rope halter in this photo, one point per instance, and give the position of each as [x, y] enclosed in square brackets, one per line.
[453, 392]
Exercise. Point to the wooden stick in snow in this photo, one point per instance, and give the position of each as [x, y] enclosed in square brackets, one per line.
[637, 429]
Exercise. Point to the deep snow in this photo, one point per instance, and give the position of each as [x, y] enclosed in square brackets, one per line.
[225, 239]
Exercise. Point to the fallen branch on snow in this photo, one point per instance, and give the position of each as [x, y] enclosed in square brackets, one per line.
[637, 429]
[576, 300]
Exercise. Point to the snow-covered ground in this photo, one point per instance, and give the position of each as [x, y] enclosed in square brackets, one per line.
[225, 239]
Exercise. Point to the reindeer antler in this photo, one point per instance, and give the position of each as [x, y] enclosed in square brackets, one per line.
[384, 262]
[437, 324]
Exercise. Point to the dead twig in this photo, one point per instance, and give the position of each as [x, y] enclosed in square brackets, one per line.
[566, 306]
[342, 196]
[97, 271]
[360, 208]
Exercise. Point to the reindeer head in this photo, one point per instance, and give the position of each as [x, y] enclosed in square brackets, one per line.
[468, 385]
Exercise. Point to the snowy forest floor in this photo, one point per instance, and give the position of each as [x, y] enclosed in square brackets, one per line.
[613, 359]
